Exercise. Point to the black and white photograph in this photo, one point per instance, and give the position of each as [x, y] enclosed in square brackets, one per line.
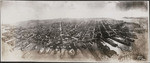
[75, 31]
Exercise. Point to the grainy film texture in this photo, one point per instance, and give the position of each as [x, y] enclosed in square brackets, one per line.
[111, 31]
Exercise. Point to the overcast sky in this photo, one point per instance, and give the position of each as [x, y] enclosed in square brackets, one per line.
[15, 11]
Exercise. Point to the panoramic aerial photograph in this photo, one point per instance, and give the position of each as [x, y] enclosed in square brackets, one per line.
[75, 31]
